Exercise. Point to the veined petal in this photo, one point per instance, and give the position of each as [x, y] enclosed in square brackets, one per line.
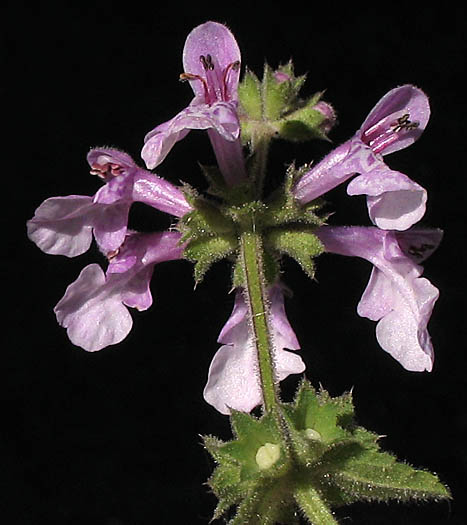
[63, 225]
[160, 194]
[406, 99]
[394, 201]
[110, 225]
[94, 307]
[404, 335]
[215, 40]
[396, 295]
[221, 116]
[326, 175]
[92, 311]
[377, 299]
[233, 379]
[234, 328]
[279, 320]
[419, 243]
[104, 156]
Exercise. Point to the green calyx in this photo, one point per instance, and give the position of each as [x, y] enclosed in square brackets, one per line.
[304, 123]
[311, 457]
[273, 107]
[298, 242]
[212, 231]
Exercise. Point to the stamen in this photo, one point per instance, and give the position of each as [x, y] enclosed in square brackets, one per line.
[383, 141]
[189, 76]
[207, 62]
[234, 66]
[386, 132]
[404, 123]
[105, 170]
[112, 254]
[97, 170]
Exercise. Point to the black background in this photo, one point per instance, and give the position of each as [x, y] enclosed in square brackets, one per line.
[112, 438]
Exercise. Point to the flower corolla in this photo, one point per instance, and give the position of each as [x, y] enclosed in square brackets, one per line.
[397, 297]
[94, 307]
[211, 60]
[394, 201]
[233, 378]
[65, 225]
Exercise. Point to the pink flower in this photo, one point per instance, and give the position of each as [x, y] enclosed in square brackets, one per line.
[394, 201]
[396, 295]
[211, 60]
[94, 308]
[65, 225]
[233, 379]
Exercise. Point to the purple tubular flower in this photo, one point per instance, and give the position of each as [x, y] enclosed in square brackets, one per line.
[394, 201]
[211, 60]
[396, 295]
[233, 379]
[94, 308]
[64, 225]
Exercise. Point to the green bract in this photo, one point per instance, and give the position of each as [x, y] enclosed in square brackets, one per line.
[320, 459]
[212, 230]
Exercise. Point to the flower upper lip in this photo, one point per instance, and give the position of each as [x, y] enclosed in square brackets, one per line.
[211, 60]
[390, 112]
[211, 53]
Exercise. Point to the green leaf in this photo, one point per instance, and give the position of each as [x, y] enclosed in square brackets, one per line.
[298, 242]
[326, 461]
[206, 219]
[207, 250]
[305, 123]
[282, 208]
[249, 96]
[302, 126]
[390, 480]
[234, 195]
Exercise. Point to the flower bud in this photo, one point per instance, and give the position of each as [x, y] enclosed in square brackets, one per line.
[272, 107]
[313, 120]
[329, 115]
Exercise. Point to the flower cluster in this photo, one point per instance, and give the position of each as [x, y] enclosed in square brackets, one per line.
[94, 309]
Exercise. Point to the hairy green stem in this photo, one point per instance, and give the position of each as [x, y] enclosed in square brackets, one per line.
[255, 290]
[260, 159]
[313, 506]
